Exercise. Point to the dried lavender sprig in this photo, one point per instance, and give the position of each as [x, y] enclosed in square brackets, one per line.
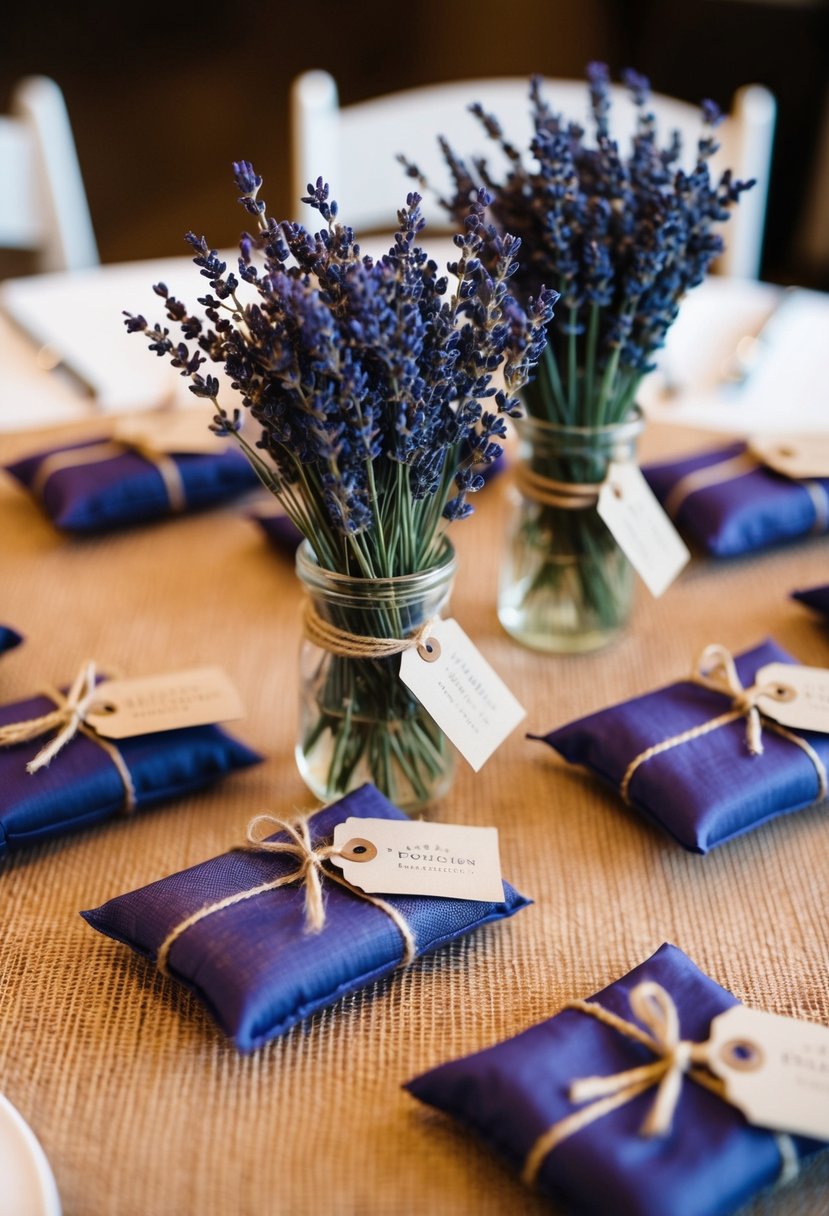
[366, 380]
[621, 237]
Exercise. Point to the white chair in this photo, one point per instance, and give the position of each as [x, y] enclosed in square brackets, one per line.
[43, 205]
[354, 148]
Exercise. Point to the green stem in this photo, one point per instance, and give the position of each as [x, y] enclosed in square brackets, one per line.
[607, 385]
[572, 366]
[590, 362]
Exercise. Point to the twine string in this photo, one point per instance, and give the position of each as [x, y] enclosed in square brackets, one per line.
[676, 1058]
[715, 669]
[731, 467]
[107, 449]
[310, 872]
[332, 638]
[570, 495]
[726, 469]
[68, 719]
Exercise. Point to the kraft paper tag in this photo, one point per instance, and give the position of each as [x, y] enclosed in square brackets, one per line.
[179, 432]
[797, 456]
[199, 697]
[775, 1069]
[804, 691]
[641, 528]
[455, 684]
[410, 857]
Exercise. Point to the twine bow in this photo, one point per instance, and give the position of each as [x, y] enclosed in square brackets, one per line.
[676, 1058]
[67, 718]
[310, 860]
[715, 668]
[653, 1006]
[310, 871]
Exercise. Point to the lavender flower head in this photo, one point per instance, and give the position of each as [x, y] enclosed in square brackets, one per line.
[372, 385]
[621, 237]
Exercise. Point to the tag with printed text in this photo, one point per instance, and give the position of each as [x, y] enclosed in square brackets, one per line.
[798, 456]
[803, 693]
[641, 528]
[182, 432]
[412, 857]
[775, 1069]
[468, 700]
[199, 697]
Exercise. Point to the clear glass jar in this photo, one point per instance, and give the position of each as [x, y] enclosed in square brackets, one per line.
[565, 584]
[358, 721]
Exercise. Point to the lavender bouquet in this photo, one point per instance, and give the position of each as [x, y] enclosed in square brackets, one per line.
[366, 384]
[622, 238]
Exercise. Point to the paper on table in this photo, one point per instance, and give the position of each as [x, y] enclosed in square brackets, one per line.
[788, 389]
[80, 317]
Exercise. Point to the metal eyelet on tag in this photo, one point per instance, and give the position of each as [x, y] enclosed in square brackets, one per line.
[429, 650]
[742, 1054]
[358, 849]
[784, 693]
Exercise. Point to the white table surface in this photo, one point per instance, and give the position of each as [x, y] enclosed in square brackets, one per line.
[80, 317]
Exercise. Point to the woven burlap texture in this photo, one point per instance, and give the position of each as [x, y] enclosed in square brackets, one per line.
[143, 1109]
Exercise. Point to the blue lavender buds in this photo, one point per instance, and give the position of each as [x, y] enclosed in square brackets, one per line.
[366, 380]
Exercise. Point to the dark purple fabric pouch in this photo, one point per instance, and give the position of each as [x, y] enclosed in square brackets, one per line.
[752, 509]
[128, 488]
[709, 789]
[709, 1164]
[254, 964]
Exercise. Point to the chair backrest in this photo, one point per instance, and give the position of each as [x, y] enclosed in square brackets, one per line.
[43, 204]
[354, 147]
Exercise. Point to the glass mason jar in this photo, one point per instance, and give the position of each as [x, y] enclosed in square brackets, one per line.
[565, 584]
[358, 721]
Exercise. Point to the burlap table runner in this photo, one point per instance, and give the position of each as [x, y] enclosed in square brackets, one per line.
[141, 1106]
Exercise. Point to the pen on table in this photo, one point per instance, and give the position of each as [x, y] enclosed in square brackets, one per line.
[751, 348]
[50, 359]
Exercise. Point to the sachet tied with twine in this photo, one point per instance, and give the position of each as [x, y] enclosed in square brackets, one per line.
[257, 962]
[551, 1102]
[106, 483]
[696, 757]
[814, 597]
[90, 779]
[728, 502]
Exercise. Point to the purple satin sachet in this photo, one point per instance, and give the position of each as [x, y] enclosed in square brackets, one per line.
[83, 786]
[128, 488]
[9, 638]
[709, 1163]
[814, 597]
[281, 532]
[753, 508]
[709, 789]
[254, 964]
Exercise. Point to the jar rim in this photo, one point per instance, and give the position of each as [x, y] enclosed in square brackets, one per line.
[628, 427]
[319, 578]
